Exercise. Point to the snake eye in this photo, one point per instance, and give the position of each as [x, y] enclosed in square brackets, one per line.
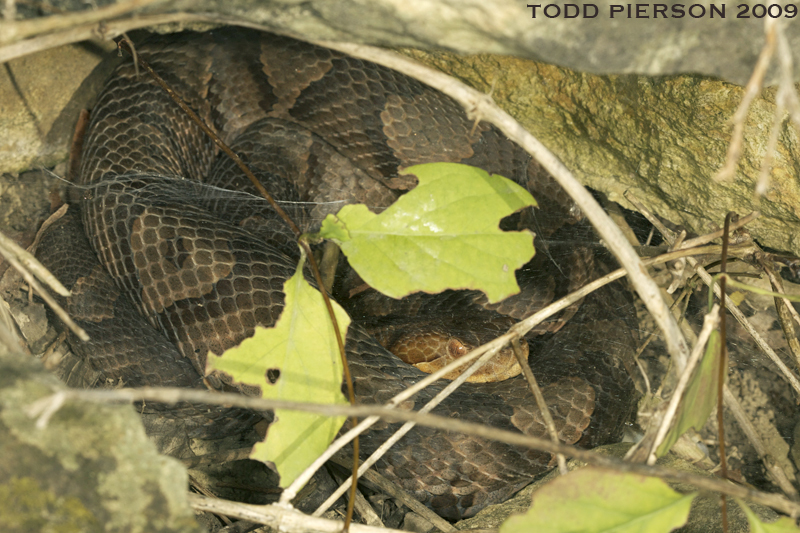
[456, 348]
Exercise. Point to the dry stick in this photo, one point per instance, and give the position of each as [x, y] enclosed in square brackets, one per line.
[207, 493]
[750, 92]
[45, 407]
[762, 182]
[108, 29]
[785, 59]
[10, 338]
[755, 439]
[723, 368]
[390, 488]
[217, 458]
[787, 69]
[41, 291]
[709, 324]
[786, 311]
[708, 237]
[540, 401]
[479, 105]
[57, 215]
[105, 29]
[10, 10]
[734, 310]
[785, 98]
[22, 29]
[368, 514]
[11, 250]
[289, 222]
[779, 476]
[277, 517]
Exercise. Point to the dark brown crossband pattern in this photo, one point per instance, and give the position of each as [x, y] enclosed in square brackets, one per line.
[180, 256]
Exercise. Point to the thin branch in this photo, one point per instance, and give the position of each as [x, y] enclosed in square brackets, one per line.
[772, 466]
[540, 401]
[105, 30]
[750, 92]
[46, 405]
[734, 310]
[22, 29]
[786, 62]
[722, 371]
[394, 491]
[12, 251]
[708, 237]
[787, 314]
[278, 517]
[41, 291]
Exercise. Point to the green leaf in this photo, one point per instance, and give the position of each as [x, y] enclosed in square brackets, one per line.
[302, 346]
[443, 234]
[700, 397]
[782, 525]
[594, 500]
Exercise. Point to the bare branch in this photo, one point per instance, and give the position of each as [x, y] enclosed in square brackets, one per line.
[175, 395]
[278, 517]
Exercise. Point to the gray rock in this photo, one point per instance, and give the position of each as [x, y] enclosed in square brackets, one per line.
[614, 38]
[90, 469]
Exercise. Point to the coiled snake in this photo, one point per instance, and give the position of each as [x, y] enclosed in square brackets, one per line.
[185, 269]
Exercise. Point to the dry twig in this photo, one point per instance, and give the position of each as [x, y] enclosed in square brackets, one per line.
[45, 407]
[751, 91]
[778, 475]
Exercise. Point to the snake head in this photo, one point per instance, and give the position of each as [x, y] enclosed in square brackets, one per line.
[430, 348]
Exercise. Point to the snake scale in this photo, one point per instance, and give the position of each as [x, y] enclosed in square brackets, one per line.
[190, 262]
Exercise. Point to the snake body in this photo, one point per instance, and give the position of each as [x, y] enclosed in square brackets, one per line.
[184, 269]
